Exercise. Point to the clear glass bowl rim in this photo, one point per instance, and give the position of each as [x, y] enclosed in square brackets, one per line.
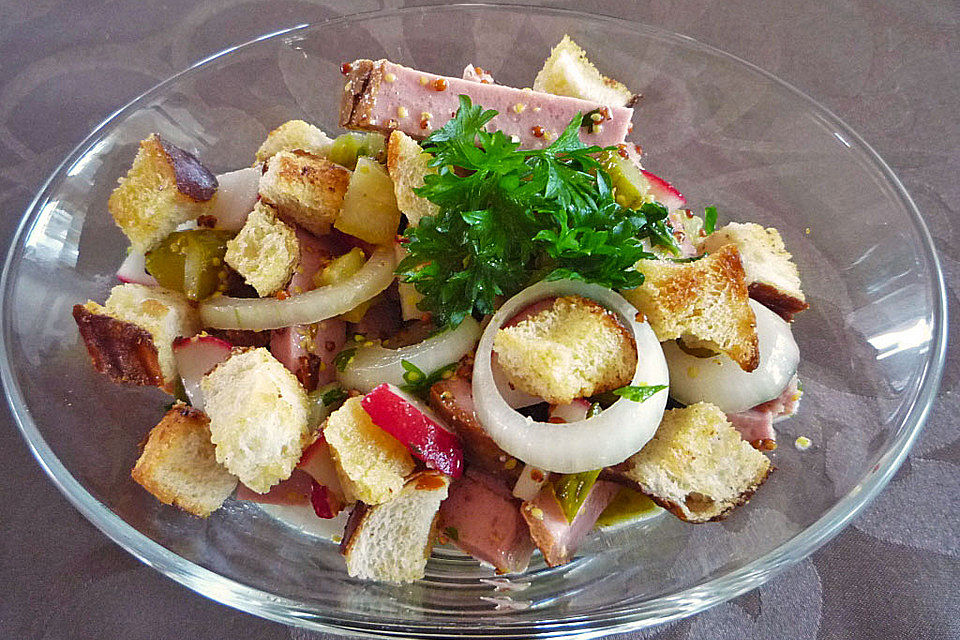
[651, 612]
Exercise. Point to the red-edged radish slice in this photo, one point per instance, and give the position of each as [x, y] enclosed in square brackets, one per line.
[573, 412]
[235, 198]
[318, 462]
[133, 269]
[195, 358]
[326, 503]
[416, 427]
[663, 192]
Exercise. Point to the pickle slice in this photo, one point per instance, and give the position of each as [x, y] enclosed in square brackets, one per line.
[627, 505]
[191, 262]
[629, 185]
[349, 146]
[572, 489]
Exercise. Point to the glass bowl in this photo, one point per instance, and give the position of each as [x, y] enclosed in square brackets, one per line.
[724, 131]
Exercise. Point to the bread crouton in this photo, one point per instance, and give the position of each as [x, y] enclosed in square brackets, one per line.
[407, 164]
[567, 72]
[371, 463]
[294, 135]
[130, 337]
[706, 299]
[571, 349]
[165, 187]
[697, 465]
[391, 542]
[265, 252]
[772, 277]
[178, 465]
[258, 417]
[306, 190]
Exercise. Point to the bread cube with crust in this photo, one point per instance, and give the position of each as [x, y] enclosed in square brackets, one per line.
[178, 465]
[568, 72]
[391, 542]
[306, 190]
[706, 300]
[407, 165]
[371, 463]
[258, 417]
[265, 252]
[697, 465]
[294, 135]
[165, 187]
[130, 337]
[570, 349]
[772, 278]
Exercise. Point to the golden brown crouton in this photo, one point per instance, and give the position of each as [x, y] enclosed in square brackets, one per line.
[706, 299]
[772, 277]
[407, 164]
[265, 252]
[178, 465]
[165, 187]
[294, 135]
[306, 190]
[568, 72]
[130, 337]
[572, 349]
[696, 465]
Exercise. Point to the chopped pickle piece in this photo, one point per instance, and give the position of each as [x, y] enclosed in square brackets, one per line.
[627, 505]
[339, 270]
[348, 147]
[572, 489]
[369, 210]
[191, 262]
[629, 185]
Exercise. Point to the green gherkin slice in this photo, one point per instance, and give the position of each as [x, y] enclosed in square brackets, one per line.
[629, 185]
[626, 505]
[572, 489]
[349, 146]
[191, 262]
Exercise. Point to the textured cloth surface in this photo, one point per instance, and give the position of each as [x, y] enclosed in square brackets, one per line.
[887, 67]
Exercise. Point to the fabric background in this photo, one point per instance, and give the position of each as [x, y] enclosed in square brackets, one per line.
[889, 68]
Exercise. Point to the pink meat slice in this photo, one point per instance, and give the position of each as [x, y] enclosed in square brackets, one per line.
[756, 424]
[294, 490]
[556, 538]
[486, 523]
[383, 96]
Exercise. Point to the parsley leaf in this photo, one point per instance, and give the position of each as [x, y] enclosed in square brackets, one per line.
[344, 358]
[709, 220]
[639, 393]
[419, 383]
[334, 397]
[509, 217]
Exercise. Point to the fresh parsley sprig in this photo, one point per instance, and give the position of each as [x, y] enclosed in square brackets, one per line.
[417, 382]
[639, 393]
[510, 217]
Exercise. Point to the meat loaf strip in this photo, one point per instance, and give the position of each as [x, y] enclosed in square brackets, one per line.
[383, 96]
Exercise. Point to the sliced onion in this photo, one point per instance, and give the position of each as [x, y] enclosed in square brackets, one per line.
[258, 314]
[134, 270]
[374, 364]
[721, 381]
[603, 440]
[530, 482]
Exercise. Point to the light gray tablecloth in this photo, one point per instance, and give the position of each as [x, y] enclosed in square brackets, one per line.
[890, 68]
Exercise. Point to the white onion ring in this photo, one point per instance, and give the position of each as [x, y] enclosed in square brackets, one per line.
[721, 381]
[258, 314]
[375, 364]
[603, 440]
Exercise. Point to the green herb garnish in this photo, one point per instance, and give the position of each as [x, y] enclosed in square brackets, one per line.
[419, 383]
[344, 358]
[709, 220]
[510, 217]
[451, 533]
[334, 397]
[639, 393]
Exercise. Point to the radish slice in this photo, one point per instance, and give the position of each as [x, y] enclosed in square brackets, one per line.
[374, 364]
[258, 314]
[236, 196]
[530, 482]
[663, 192]
[133, 269]
[416, 427]
[721, 381]
[325, 503]
[573, 412]
[318, 462]
[196, 357]
[603, 440]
